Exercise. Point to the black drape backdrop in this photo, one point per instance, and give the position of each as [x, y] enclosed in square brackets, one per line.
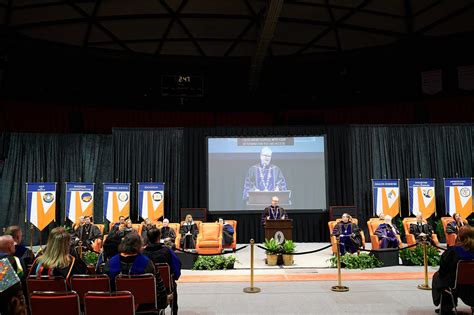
[51, 158]
[144, 155]
[355, 155]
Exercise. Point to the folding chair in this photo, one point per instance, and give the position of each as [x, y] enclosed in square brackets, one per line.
[54, 303]
[464, 277]
[143, 288]
[164, 271]
[117, 303]
[45, 283]
[85, 283]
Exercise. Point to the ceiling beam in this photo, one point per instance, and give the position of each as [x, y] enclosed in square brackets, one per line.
[446, 18]
[169, 26]
[89, 25]
[334, 25]
[427, 8]
[268, 31]
[185, 29]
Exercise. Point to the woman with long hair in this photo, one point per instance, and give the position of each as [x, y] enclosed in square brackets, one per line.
[56, 259]
[446, 276]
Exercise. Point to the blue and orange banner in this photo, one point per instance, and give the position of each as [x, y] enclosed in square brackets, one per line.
[458, 196]
[41, 204]
[421, 196]
[151, 200]
[386, 196]
[79, 200]
[116, 201]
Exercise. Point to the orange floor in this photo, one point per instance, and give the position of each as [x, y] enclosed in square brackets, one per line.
[307, 277]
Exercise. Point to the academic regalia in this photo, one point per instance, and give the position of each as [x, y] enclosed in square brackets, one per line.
[188, 241]
[168, 232]
[87, 234]
[349, 237]
[387, 236]
[453, 228]
[275, 213]
[227, 234]
[417, 228]
[264, 178]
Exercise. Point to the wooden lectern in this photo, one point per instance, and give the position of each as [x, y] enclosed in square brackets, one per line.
[273, 226]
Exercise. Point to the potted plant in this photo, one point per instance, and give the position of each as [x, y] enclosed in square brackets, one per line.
[273, 250]
[439, 230]
[288, 248]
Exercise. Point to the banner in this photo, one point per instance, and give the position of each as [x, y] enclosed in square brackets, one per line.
[421, 196]
[79, 200]
[41, 204]
[386, 196]
[116, 201]
[151, 200]
[458, 196]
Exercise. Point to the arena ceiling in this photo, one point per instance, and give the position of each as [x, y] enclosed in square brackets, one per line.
[235, 27]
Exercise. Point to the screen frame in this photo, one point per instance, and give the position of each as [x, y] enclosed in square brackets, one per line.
[242, 211]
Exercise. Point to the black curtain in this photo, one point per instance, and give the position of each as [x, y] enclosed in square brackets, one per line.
[51, 158]
[144, 155]
[178, 157]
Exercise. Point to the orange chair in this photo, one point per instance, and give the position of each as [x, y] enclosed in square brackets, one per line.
[374, 239]
[143, 288]
[410, 237]
[85, 283]
[54, 303]
[100, 303]
[209, 240]
[101, 228]
[234, 242]
[450, 238]
[332, 224]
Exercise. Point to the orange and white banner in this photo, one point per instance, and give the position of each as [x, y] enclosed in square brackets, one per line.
[116, 201]
[421, 196]
[79, 200]
[41, 204]
[458, 196]
[151, 200]
[386, 196]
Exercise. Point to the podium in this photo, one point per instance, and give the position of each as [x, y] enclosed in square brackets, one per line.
[278, 228]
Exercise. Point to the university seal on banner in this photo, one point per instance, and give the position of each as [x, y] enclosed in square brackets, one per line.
[86, 197]
[123, 197]
[157, 196]
[48, 197]
[465, 192]
[428, 193]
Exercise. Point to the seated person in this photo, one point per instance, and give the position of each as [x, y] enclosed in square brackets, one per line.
[146, 226]
[159, 253]
[131, 261]
[446, 275]
[168, 234]
[12, 298]
[348, 234]
[189, 232]
[21, 251]
[227, 233]
[56, 259]
[118, 224]
[387, 234]
[381, 215]
[420, 230]
[87, 234]
[454, 226]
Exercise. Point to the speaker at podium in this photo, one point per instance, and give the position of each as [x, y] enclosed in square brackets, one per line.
[261, 199]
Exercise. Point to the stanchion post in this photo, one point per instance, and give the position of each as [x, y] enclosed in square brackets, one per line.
[251, 289]
[31, 236]
[339, 287]
[425, 286]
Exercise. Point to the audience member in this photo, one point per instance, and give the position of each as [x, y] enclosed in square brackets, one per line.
[21, 251]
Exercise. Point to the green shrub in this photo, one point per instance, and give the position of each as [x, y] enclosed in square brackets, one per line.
[272, 246]
[361, 261]
[216, 262]
[90, 258]
[288, 247]
[439, 230]
[415, 256]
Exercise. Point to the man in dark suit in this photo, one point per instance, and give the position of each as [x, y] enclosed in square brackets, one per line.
[274, 212]
[421, 229]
